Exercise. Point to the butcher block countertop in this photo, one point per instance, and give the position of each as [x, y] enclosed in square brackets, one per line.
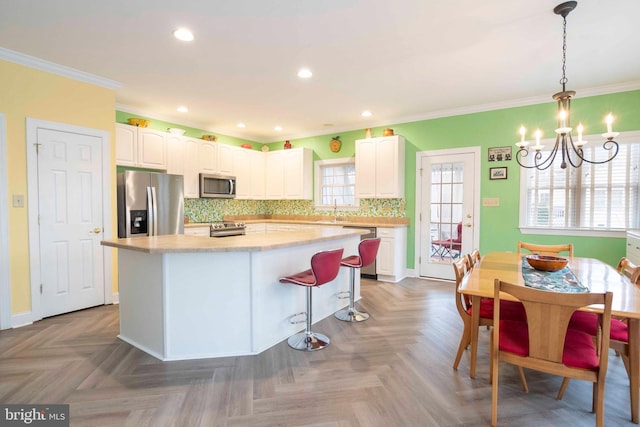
[342, 221]
[248, 243]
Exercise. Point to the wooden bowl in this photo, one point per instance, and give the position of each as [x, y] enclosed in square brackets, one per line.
[143, 123]
[547, 263]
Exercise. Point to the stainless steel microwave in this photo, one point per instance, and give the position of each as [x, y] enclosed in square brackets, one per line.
[217, 186]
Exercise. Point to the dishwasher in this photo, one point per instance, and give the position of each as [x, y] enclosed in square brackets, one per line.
[368, 272]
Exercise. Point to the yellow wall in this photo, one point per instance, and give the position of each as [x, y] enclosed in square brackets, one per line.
[26, 92]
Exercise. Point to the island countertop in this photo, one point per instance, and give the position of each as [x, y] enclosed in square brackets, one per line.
[248, 243]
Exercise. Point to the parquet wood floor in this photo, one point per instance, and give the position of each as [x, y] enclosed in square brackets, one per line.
[392, 370]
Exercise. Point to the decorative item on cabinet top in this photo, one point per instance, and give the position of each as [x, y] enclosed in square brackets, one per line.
[134, 121]
[335, 144]
[249, 146]
[176, 131]
[387, 132]
[287, 145]
[210, 138]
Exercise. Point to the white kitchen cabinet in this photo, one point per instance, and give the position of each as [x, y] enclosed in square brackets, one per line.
[274, 175]
[140, 147]
[380, 167]
[126, 145]
[208, 157]
[175, 154]
[391, 259]
[225, 159]
[633, 247]
[191, 172]
[248, 168]
[298, 174]
[289, 174]
[257, 164]
[182, 159]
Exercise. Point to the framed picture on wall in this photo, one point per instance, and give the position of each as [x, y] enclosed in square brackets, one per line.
[498, 173]
[499, 154]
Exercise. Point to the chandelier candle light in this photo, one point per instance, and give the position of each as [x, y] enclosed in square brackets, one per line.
[571, 151]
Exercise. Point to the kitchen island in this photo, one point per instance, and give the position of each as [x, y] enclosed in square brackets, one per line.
[189, 297]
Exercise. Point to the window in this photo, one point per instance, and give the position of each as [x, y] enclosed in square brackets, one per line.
[604, 197]
[335, 183]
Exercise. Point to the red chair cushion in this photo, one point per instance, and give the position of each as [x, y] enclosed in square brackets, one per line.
[304, 278]
[352, 261]
[579, 349]
[588, 323]
[512, 310]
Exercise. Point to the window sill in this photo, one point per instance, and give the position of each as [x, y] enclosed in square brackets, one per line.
[617, 233]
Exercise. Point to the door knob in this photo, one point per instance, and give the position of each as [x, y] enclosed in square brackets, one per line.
[97, 230]
[468, 224]
[468, 215]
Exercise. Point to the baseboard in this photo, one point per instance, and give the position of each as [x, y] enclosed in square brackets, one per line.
[115, 298]
[21, 319]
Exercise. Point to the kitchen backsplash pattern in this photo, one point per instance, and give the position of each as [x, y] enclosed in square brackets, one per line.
[207, 210]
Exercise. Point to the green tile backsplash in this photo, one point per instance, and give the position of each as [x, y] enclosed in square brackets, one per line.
[207, 210]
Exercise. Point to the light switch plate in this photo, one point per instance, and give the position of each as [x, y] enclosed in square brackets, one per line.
[491, 201]
[18, 201]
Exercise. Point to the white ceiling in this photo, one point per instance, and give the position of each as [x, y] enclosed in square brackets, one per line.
[404, 60]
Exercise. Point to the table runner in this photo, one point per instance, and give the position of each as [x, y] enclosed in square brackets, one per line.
[557, 281]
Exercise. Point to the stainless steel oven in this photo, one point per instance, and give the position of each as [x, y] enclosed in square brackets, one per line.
[369, 271]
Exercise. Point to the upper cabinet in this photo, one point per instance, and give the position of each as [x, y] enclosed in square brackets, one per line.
[140, 147]
[249, 170]
[182, 159]
[282, 174]
[289, 174]
[380, 168]
[208, 156]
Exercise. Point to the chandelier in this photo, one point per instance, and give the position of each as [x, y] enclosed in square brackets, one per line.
[570, 150]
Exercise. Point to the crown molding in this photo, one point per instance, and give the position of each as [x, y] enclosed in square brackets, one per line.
[174, 119]
[61, 70]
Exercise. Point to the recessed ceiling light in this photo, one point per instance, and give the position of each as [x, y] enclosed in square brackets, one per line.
[241, 125]
[366, 113]
[278, 128]
[183, 109]
[183, 34]
[305, 73]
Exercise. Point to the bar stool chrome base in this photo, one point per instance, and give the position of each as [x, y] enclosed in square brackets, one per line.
[351, 315]
[308, 341]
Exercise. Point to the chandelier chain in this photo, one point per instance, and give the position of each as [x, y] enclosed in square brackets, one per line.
[564, 80]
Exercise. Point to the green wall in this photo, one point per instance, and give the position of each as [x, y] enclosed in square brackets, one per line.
[498, 225]
[122, 117]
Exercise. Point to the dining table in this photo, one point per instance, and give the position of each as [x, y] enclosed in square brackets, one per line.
[591, 273]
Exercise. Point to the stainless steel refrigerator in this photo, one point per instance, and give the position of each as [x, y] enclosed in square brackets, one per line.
[150, 204]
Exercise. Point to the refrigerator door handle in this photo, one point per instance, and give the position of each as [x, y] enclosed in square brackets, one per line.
[154, 213]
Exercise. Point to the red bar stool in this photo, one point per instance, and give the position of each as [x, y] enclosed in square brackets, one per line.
[367, 251]
[325, 266]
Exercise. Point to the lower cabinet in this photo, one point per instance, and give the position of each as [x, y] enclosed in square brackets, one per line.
[633, 246]
[392, 258]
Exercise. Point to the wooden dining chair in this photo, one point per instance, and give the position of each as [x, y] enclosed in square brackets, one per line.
[474, 258]
[549, 250]
[619, 335]
[510, 309]
[545, 342]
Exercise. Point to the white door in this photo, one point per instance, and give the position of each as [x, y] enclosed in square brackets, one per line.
[71, 221]
[449, 192]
